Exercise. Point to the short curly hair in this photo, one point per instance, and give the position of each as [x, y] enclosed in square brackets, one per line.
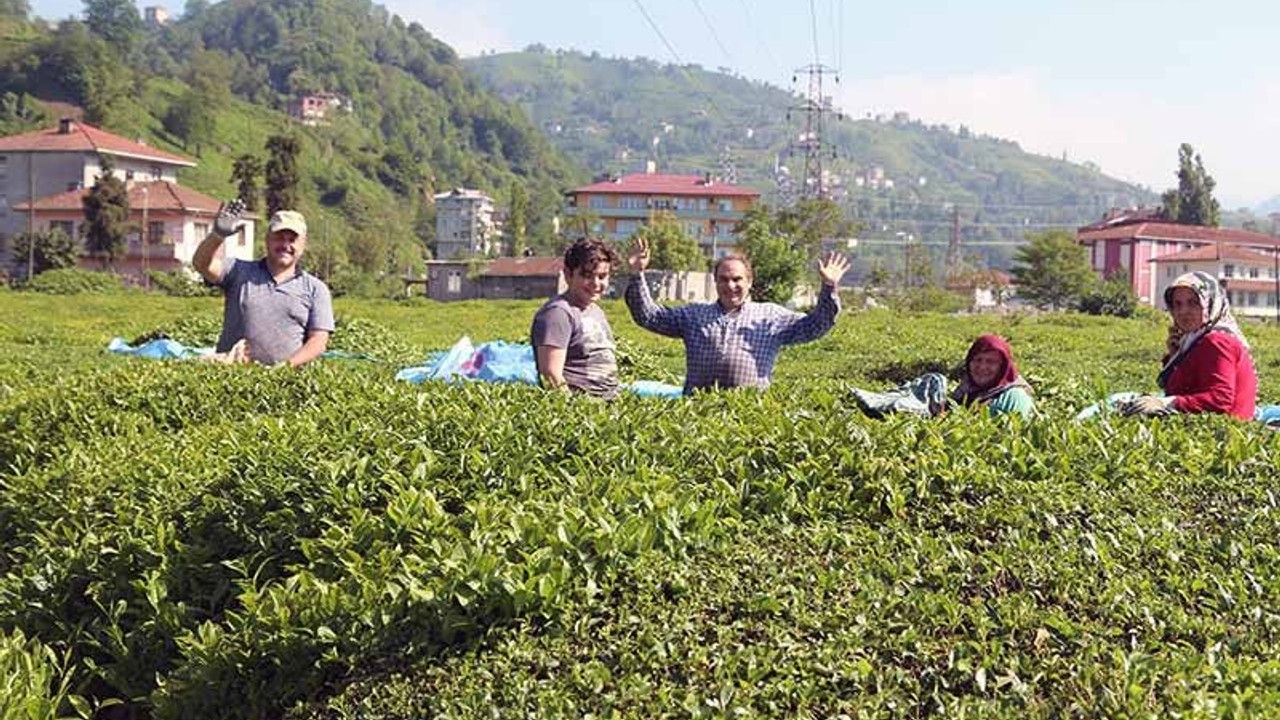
[587, 253]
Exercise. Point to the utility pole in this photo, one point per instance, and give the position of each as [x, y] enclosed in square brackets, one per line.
[953, 247]
[31, 216]
[146, 237]
[815, 108]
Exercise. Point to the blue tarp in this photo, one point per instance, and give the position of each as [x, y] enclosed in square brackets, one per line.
[160, 349]
[499, 362]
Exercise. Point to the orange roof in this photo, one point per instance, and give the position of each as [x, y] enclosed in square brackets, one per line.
[1170, 231]
[655, 184]
[524, 267]
[156, 196]
[1216, 251]
[86, 138]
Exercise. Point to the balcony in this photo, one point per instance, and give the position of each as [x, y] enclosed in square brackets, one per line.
[639, 213]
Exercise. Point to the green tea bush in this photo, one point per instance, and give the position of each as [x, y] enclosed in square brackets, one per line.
[240, 542]
[34, 681]
[177, 283]
[74, 281]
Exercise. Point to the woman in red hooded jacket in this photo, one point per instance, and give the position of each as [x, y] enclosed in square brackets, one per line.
[991, 377]
[1207, 368]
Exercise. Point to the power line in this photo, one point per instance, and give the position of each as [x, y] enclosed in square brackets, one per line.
[813, 16]
[714, 35]
[661, 37]
[755, 29]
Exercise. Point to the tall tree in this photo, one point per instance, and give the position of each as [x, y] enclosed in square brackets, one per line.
[1052, 271]
[1192, 202]
[191, 119]
[670, 247]
[106, 215]
[811, 222]
[282, 173]
[116, 21]
[518, 219]
[777, 263]
[245, 172]
[15, 9]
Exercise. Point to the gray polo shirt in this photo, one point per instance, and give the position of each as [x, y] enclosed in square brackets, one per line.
[590, 362]
[274, 318]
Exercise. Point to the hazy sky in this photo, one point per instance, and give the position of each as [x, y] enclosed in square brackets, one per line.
[1120, 82]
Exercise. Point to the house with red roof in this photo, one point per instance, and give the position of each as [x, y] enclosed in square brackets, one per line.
[44, 176]
[707, 209]
[1127, 244]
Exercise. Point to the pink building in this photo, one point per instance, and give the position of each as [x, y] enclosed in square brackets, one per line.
[1125, 245]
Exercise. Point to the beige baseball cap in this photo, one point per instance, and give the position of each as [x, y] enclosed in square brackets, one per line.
[288, 220]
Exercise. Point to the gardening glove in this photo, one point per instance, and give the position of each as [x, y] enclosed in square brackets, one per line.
[1149, 406]
[228, 220]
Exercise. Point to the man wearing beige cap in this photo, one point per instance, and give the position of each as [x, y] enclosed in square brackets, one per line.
[274, 311]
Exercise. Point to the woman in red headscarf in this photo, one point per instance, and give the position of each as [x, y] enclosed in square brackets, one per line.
[990, 377]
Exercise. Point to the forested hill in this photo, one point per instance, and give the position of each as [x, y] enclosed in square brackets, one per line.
[216, 84]
[612, 114]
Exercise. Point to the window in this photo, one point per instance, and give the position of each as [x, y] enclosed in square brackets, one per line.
[726, 206]
[1253, 272]
[1253, 299]
[1228, 271]
[4, 166]
[626, 226]
[156, 172]
[455, 281]
[155, 233]
[693, 229]
[128, 174]
[4, 205]
[202, 231]
[631, 202]
[1168, 271]
[596, 201]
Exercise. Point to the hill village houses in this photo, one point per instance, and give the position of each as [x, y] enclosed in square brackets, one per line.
[44, 176]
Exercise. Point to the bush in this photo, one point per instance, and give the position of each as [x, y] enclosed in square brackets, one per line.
[1110, 297]
[177, 283]
[353, 283]
[929, 299]
[36, 681]
[74, 281]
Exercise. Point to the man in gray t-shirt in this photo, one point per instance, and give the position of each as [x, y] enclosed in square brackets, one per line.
[573, 344]
[278, 312]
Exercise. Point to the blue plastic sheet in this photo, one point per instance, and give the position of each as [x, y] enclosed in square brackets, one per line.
[159, 349]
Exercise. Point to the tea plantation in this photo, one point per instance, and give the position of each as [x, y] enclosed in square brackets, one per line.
[181, 540]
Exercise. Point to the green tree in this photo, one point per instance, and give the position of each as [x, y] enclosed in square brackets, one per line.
[517, 228]
[116, 21]
[1192, 202]
[46, 250]
[191, 119]
[1052, 270]
[106, 215]
[777, 263]
[1113, 296]
[811, 222]
[282, 173]
[670, 248]
[15, 9]
[245, 172]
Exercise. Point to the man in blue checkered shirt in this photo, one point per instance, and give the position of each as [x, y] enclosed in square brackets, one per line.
[732, 342]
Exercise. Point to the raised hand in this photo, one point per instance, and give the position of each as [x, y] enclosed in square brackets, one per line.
[638, 258]
[833, 268]
[228, 220]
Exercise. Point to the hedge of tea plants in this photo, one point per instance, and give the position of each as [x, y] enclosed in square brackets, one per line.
[181, 540]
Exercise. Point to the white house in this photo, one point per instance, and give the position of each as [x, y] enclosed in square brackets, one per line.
[68, 158]
[1249, 277]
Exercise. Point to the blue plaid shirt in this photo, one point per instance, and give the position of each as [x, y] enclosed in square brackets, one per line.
[730, 349]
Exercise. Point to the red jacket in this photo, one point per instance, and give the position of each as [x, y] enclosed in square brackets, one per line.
[1216, 376]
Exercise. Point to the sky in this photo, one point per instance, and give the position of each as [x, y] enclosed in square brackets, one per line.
[1120, 83]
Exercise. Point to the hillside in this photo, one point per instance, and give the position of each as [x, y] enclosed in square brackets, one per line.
[419, 123]
[611, 114]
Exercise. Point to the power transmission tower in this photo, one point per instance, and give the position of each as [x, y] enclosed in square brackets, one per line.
[815, 107]
[728, 168]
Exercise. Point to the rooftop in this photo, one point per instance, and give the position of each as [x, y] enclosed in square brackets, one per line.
[74, 136]
[1216, 251]
[658, 184]
[1171, 231]
[156, 196]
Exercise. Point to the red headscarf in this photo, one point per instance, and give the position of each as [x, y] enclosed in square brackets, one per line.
[970, 392]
